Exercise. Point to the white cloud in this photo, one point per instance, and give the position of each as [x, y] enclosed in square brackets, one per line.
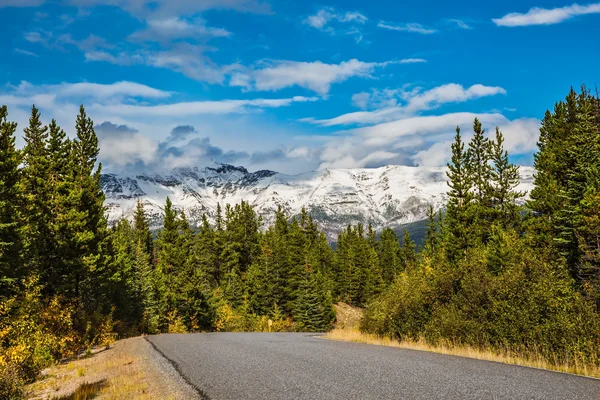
[26, 52]
[413, 61]
[34, 37]
[408, 27]
[316, 76]
[188, 60]
[323, 19]
[460, 23]
[414, 101]
[543, 16]
[376, 99]
[326, 15]
[121, 145]
[95, 91]
[168, 29]
[170, 8]
[184, 58]
[421, 140]
[198, 107]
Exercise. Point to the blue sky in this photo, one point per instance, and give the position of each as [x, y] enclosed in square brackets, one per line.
[294, 86]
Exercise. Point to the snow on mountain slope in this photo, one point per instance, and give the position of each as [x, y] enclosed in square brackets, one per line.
[388, 196]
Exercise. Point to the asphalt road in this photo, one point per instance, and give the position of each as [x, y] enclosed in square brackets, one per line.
[302, 366]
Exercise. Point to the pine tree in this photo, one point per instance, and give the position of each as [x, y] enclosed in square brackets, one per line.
[142, 230]
[504, 179]
[478, 157]
[389, 256]
[87, 220]
[60, 254]
[36, 189]
[310, 314]
[431, 234]
[459, 200]
[408, 252]
[11, 270]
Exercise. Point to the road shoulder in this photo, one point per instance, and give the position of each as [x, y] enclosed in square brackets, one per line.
[129, 369]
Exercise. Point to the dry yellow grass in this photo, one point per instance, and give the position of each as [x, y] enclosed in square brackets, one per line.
[506, 357]
[117, 373]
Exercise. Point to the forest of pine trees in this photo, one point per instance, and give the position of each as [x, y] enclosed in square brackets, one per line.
[494, 270]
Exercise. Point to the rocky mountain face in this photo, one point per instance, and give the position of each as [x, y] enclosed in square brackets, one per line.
[391, 196]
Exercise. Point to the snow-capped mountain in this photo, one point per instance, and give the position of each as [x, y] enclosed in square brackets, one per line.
[389, 196]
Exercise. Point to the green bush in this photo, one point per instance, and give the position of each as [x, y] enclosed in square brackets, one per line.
[530, 305]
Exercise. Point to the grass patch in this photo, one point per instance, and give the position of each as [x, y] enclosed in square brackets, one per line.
[502, 356]
[86, 391]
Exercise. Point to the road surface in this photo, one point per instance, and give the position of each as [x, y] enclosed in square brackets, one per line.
[301, 366]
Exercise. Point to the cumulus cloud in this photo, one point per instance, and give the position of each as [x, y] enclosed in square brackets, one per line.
[421, 140]
[316, 76]
[543, 16]
[122, 146]
[407, 27]
[413, 102]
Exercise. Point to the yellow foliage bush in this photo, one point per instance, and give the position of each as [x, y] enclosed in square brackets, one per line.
[176, 324]
[239, 320]
[33, 334]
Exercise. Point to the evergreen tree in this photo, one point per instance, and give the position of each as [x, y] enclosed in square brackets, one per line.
[142, 230]
[408, 252]
[568, 152]
[389, 256]
[504, 179]
[11, 270]
[477, 162]
[459, 199]
[310, 313]
[90, 219]
[36, 189]
[480, 172]
[431, 234]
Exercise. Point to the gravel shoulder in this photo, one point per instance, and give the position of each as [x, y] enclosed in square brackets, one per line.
[129, 369]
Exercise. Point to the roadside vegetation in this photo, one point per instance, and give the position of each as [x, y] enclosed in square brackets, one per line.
[516, 282]
[494, 274]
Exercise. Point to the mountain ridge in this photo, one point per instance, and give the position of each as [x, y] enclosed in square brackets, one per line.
[389, 196]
